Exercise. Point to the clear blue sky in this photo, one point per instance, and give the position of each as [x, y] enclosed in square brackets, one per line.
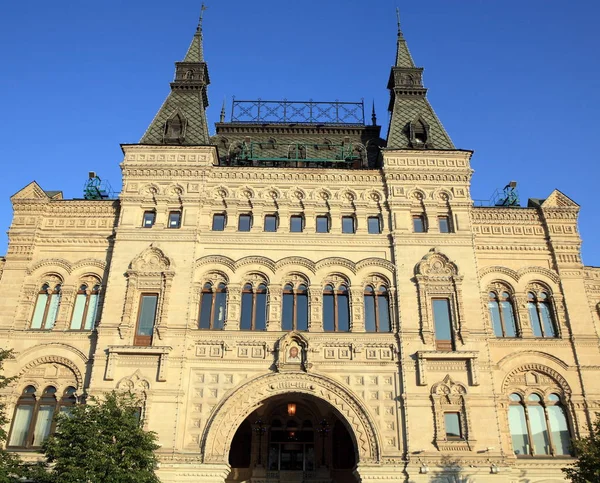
[517, 81]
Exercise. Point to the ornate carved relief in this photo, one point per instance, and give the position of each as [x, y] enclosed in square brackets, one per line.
[150, 271]
[49, 367]
[450, 397]
[151, 259]
[437, 276]
[534, 374]
[291, 353]
[229, 414]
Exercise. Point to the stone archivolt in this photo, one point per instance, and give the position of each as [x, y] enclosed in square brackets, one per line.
[267, 265]
[231, 411]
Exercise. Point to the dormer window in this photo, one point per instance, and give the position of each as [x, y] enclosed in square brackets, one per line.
[175, 129]
[419, 134]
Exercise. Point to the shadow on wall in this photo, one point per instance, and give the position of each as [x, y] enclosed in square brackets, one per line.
[450, 471]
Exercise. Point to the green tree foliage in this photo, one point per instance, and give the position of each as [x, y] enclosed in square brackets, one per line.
[10, 464]
[101, 441]
[587, 467]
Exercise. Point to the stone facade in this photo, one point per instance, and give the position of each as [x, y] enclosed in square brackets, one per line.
[392, 391]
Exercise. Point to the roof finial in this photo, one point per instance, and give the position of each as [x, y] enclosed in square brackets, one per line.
[199, 28]
[222, 119]
[398, 20]
[373, 115]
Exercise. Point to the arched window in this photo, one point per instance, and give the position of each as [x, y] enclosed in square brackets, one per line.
[254, 307]
[295, 307]
[540, 315]
[68, 400]
[46, 307]
[86, 305]
[377, 309]
[33, 420]
[502, 314]
[336, 309]
[213, 306]
[538, 426]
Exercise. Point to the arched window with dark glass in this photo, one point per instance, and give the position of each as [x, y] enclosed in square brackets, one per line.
[502, 314]
[46, 307]
[377, 309]
[68, 400]
[254, 307]
[86, 305]
[336, 309]
[541, 315]
[213, 306]
[295, 307]
[33, 420]
[23, 418]
[538, 426]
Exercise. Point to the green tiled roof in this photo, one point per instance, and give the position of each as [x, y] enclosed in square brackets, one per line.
[189, 105]
[409, 104]
[403, 57]
[195, 52]
[186, 99]
[407, 109]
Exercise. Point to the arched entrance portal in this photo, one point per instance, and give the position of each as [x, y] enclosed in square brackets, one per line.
[293, 438]
[318, 398]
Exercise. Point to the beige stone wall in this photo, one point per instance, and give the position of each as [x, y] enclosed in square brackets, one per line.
[392, 388]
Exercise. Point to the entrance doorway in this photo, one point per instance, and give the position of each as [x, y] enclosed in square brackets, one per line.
[293, 438]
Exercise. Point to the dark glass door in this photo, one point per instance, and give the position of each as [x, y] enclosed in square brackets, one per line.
[292, 457]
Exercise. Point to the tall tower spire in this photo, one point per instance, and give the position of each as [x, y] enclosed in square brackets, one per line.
[403, 57]
[413, 123]
[182, 117]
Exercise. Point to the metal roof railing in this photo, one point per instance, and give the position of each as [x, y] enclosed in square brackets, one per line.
[299, 112]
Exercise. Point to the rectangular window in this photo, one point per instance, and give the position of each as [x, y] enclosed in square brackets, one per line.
[322, 224]
[78, 311]
[146, 320]
[452, 423]
[560, 430]
[374, 225]
[149, 218]
[443, 324]
[20, 428]
[518, 430]
[348, 225]
[43, 424]
[40, 310]
[296, 224]
[419, 224]
[245, 222]
[218, 223]
[444, 223]
[271, 223]
[174, 219]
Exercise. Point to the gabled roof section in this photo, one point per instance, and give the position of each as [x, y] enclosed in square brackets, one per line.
[33, 191]
[558, 199]
[408, 101]
[182, 117]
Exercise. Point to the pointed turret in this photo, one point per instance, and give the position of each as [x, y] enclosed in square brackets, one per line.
[413, 122]
[182, 117]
